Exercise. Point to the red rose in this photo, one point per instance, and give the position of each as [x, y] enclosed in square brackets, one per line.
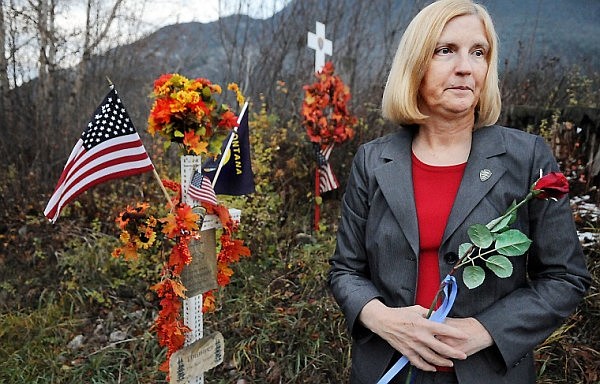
[552, 186]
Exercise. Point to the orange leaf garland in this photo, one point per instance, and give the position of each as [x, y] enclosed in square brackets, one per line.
[208, 302]
[171, 235]
[180, 257]
[169, 326]
[181, 223]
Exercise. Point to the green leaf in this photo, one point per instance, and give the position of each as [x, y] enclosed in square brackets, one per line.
[463, 249]
[497, 224]
[178, 133]
[206, 93]
[500, 265]
[166, 145]
[214, 147]
[512, 243]
[513, 216]
[473, 276]
[480, 235]
[510, 207]
[501, 223]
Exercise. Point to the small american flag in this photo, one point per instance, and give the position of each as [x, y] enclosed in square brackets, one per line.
[201, 189]
[109, 148]
[327, 180]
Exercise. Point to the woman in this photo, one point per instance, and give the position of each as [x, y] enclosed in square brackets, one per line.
[412, 195]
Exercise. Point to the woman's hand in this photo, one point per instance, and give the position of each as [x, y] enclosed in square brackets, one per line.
[424, 342]
[479, 337]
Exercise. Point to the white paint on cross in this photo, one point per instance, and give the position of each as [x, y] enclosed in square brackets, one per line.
[321, 45]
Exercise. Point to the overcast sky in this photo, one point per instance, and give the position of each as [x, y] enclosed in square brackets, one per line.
[158, 13]
[169, 11]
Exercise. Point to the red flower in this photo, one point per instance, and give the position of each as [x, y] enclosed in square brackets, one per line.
[552, 186]
[228, 120]
[162, 80]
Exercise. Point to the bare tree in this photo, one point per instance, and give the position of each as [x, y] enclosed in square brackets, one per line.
[41, 96]
[4, 99]
[96, 30]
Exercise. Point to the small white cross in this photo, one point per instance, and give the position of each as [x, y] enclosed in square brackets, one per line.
[321, 45]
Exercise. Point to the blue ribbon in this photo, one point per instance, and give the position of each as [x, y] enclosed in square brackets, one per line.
[438, 316]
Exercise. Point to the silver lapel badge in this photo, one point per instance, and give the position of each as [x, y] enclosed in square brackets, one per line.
[485, 174]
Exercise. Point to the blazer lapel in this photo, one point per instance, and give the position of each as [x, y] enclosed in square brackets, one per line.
[395, 180]
[484, 169]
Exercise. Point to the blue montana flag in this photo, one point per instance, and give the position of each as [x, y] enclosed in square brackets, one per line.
[233, 169]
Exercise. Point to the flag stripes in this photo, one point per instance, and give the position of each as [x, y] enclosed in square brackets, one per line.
[201, 189]
[327, 180]
[104, 162]
[109, 148]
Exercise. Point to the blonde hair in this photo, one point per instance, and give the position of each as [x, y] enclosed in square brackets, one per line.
[414, 54]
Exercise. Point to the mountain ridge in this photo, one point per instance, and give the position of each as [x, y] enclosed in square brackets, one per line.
[270, 56]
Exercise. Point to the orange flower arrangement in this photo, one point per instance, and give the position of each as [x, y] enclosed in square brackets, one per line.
[324, 110]
[141, 232]
[186, 111]
[231, 251]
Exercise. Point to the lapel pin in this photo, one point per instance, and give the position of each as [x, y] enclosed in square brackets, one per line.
[485, 174]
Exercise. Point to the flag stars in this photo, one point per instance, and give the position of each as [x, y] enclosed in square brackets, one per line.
[110, 120]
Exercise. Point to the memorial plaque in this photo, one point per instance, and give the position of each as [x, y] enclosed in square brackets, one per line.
[201, 274]
[191, 362]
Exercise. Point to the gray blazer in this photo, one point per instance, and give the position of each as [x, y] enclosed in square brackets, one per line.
[378, 246]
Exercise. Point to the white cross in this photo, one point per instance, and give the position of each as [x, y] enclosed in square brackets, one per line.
[321, 45]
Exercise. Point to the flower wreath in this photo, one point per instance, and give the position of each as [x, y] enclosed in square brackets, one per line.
[325, 112]
[142, 232]
[328, 122]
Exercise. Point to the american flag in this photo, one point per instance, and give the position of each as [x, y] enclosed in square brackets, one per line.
[109, 148]
[201, 189]
[327, 180]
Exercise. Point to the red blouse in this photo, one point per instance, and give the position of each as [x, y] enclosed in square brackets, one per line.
[435, 188]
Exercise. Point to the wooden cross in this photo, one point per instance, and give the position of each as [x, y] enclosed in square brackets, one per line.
[321, 45]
